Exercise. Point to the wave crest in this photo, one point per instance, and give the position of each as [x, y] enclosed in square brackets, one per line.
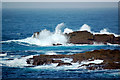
[47, 38]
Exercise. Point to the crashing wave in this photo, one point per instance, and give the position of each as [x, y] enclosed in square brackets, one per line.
[85, 27]
[47, 38]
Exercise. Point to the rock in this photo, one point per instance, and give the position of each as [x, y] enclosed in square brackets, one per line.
[80, 37]
[104, 38]
[61, 64]
[35, 35]
[112, 66]
[85, 37]
[29, 61]
[10, 59]
[41, 61]
[45, 59]
[111, 59]
[57, 61]
[57, 44]
[117, 40]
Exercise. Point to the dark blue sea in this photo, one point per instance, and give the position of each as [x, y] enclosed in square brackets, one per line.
[18, 26]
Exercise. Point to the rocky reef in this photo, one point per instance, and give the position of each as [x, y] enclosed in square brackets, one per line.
[85, 37]
[97, 59]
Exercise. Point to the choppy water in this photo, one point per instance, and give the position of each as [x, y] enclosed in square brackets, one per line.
[19, 24]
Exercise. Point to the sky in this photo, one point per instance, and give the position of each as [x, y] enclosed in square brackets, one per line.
[59, 4]
[60, 0]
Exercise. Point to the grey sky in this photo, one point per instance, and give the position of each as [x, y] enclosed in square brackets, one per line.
[59, 4]
[60, 0]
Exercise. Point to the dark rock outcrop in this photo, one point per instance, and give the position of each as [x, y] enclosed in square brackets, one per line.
[61, 64]
[45, 59]
[117, 40]
[35, 35]
[57, 44]
[104, 38]
[85, 37]
[111, 59]
[80, 37]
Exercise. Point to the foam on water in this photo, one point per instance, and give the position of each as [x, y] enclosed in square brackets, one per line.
[47, 38]
[94, 61]
[76, 65]
[16, 62]
[66, 60]
[3, 54]
[51, 53]
[54, 66]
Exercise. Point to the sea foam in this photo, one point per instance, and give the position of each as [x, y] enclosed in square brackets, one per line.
[48, 38]
[16, 62]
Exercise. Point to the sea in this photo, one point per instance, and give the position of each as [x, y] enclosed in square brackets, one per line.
[18, 44]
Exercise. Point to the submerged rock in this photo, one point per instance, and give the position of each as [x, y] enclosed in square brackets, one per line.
[110, 59]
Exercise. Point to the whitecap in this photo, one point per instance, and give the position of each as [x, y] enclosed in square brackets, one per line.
[51, 53]
[94, 61]
[16, 62]
[47, 38]
[3, 54]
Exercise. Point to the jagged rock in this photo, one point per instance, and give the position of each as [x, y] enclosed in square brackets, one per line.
[111, 59]
[61, 64]
[29, 61]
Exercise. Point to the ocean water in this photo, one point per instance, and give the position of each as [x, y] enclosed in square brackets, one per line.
[18, 26]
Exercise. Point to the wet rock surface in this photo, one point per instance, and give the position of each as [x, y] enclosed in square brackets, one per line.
[111, 59]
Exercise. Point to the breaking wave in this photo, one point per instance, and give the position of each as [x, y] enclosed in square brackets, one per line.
[16, 62]
[47, 38]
